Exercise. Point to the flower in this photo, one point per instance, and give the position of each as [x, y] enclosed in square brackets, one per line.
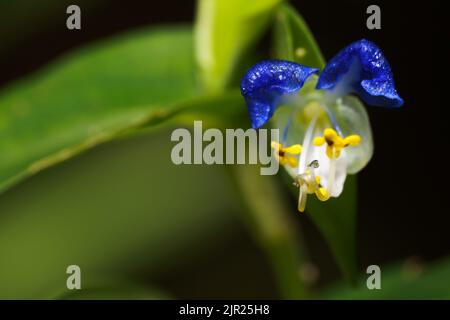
[323, 112]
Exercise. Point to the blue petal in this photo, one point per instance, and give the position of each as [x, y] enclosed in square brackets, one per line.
[265, 83]
[361, 68]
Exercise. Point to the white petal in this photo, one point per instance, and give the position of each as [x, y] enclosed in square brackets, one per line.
[307, 146]
[318, 153]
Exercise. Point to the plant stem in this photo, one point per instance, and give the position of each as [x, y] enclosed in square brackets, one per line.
[269, 222]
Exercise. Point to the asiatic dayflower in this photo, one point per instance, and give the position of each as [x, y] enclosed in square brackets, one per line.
[325, 128]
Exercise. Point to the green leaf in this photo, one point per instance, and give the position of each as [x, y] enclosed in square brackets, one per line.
[409, 280]
[224, 29]
[91, 96]
[336, 218]
[293, 39]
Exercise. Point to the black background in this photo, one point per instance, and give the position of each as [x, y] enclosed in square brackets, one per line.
[402, 193]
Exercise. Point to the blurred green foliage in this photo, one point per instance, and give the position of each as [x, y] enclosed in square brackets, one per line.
[294, 41]
[108, 212]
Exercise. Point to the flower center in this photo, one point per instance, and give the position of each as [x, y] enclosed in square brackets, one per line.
[308, 176]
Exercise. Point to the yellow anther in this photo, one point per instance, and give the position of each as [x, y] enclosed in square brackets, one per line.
[308, 186]
[352, 140]
[292, 161]
[335, 143]
[294, 149]
[284, 154]
[319, 141]
[322, 194]
[282, 160]
[330, 135]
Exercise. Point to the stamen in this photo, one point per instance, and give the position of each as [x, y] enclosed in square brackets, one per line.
[319, 141]
[309, 183]
[292, 161]
[294, 149]
[322, 194]
[330, 135]
[284, 154]
[335, 143]
[352, 140]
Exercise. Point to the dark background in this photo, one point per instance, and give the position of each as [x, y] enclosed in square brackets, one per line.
[402, 206]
